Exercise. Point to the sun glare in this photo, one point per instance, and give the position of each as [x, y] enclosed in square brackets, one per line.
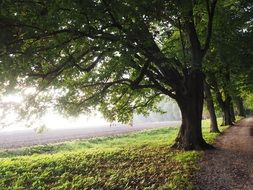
[50, 120]
[12, 98]
[54, 120]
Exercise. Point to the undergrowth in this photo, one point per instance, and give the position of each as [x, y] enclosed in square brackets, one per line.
[140, 160]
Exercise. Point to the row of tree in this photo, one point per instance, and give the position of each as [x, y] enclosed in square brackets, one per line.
[228, 65]
[122, 57]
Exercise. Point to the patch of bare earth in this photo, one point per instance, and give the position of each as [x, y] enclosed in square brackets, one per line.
[230, 166]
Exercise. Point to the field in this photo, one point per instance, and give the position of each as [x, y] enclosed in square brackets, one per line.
[140, 160]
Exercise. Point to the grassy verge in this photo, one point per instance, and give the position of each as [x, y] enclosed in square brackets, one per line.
[141, 160]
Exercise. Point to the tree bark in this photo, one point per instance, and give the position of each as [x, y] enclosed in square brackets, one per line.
[191, 96]
[232, 112]
[225, 107]
[240, 107]
[227, 117]
[210, 106]
[227, 120]
[191, 106]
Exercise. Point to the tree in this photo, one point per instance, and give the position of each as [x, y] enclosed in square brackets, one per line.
[230, 53]
[114, 55]
[210, 107]
[240, 106]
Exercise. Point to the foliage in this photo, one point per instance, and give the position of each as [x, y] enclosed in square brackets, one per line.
[248, 100]
[141, 160]
[210, 137]
[228, 63]
[115, 56]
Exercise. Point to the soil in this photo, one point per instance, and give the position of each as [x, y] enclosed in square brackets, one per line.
[230, 165]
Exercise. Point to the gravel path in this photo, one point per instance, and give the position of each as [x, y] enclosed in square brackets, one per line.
[28, 137]
[230, 166]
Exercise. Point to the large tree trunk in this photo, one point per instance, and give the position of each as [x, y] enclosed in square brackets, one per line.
[211, 110]
[240, 107]
[227, 119]
[191, 96]
[232, 112]
[191, 106]
[226, 108]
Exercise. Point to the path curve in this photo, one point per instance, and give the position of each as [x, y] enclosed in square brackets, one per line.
[230, 166]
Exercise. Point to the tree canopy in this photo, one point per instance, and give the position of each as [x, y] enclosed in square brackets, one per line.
[114, 56]
[113, 53]
[228, 64]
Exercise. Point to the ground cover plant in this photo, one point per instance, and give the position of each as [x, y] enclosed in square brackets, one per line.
[140, 160]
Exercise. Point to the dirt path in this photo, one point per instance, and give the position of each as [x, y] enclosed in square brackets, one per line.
[230, 166]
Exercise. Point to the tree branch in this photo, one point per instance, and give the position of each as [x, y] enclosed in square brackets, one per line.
[114, 20]
[147, 102]
[91, 66]
[182, 39]
[120, 81]
[210, 11]
[143, 71]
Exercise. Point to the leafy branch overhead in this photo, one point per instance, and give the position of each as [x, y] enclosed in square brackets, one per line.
[96, 48]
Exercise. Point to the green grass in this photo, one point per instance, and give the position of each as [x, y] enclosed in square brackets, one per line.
[141, 160]
[210, 137]
[161, 136]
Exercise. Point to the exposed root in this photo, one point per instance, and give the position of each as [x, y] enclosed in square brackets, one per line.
[202, 145]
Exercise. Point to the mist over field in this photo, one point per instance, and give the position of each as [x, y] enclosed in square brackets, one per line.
[53, 120]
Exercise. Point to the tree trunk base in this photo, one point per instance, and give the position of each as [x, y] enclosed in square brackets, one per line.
[215, 131]
[199, 145]
[227, 123]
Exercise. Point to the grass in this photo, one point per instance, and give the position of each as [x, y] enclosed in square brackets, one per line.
[140, 160]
